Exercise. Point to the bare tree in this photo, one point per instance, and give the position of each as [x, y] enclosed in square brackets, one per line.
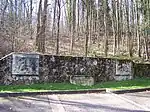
[41, 26]
[105, 29]
[99, 27]
[113, 16]
[128, 29]
[87, 28]
[54, 19]
[73, 26]
[58, 26]
[31, 10]
[38, 23]
[138, 29]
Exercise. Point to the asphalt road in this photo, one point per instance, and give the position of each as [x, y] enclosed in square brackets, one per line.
[106, 102]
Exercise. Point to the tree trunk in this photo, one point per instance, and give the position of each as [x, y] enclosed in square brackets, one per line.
[3, 13]
[138, 30]
[87, 28]
[58, 26]
[54, 19]
[105, 30]
[43, 28]
[114, 26]
[118, 25]
[38, 26]
[31, 19]
[147, 20]
[73, 26]
[128, 29]
[78, 22]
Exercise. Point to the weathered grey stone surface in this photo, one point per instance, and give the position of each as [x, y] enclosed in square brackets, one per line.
[123, 70]
[141, 70]
[5, 70]
[25, 64]
[61, 68]
[82, 80]
[9, 75]
[50, 68]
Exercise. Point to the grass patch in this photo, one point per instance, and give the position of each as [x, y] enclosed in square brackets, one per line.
[115, 85]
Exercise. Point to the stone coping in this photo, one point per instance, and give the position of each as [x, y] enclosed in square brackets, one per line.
[101, 57]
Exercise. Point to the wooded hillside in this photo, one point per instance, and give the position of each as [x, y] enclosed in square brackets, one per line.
[76, 27]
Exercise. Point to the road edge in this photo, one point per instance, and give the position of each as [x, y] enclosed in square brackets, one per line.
[15, 94]
[128, 90]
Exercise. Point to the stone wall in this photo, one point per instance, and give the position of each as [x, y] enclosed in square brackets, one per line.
[5, 70]
[19, 68]
[9, 76]
[60, 68]
[141, 70]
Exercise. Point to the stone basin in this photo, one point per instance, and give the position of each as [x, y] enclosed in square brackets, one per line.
[82, 80]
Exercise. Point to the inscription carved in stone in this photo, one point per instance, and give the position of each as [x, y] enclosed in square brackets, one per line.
[123, 68]
[25, 64]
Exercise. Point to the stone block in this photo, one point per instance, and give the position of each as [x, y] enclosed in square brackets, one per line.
[123, 70]
[120, 78]
[25, 64]
[82, 80]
